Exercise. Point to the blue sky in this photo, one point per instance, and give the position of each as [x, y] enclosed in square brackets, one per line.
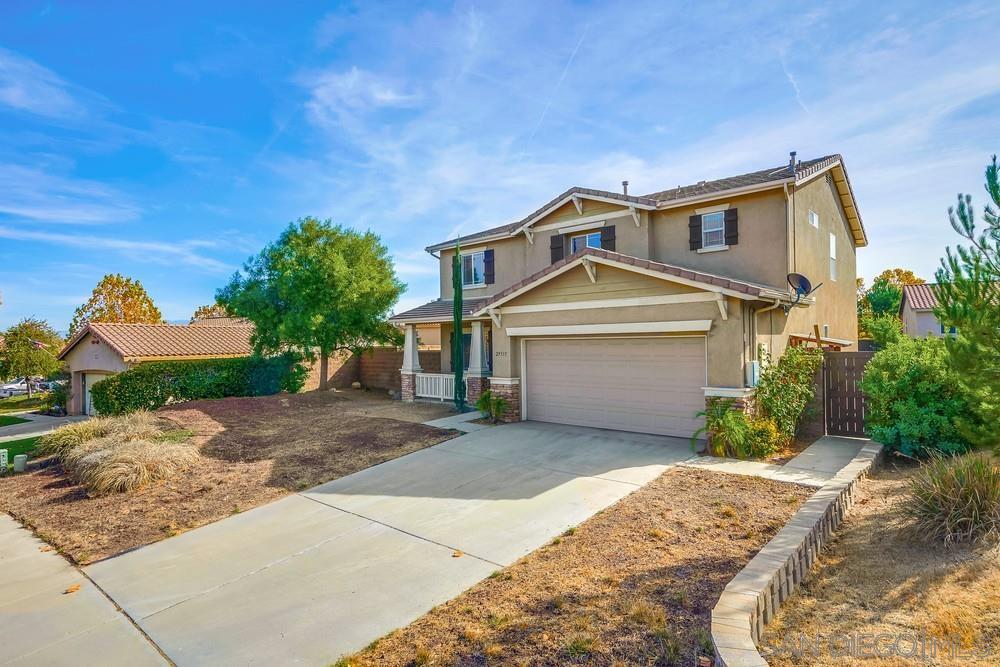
[170, 142]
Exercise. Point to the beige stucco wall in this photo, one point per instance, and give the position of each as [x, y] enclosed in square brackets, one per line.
[726, 348]
[920, 323]
[508, 267]
[89, 356]
[759, 256]
[516, 258]
[836, 300]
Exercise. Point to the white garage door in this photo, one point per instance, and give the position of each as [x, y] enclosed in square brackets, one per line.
[89, 380]
[647, 385]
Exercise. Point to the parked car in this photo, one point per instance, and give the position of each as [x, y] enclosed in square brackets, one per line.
[14, 388]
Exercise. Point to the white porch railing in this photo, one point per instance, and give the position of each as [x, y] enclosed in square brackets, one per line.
[438, 385]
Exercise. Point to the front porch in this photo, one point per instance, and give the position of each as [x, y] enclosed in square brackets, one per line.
[477, 343]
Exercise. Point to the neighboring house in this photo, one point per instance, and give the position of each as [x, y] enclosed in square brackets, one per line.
[625, 312]
[102, 349]
[916, 310]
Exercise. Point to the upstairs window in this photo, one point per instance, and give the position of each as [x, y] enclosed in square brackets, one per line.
[833, 257]
[814, 218]
[473, 269]
[591, 240]
[713, 229]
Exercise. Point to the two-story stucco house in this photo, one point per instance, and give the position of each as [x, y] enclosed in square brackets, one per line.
[618, 311]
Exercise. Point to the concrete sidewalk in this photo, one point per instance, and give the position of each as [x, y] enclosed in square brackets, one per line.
[37, 425]
[814, 466]
[321, 574]
[45, 625]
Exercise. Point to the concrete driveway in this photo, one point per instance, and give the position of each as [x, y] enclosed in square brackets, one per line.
[322, 573]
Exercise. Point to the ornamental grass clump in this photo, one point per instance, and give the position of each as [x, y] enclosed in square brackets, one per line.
[955, 499]
[117, 454]
[131, 465]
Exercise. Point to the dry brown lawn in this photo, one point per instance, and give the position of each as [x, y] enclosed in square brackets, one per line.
[876, 577]
[253, 451]
[633, 585]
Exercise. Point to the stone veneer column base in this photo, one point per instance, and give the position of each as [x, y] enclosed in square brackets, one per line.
[508, 389]
[408, 386]
[477, 384]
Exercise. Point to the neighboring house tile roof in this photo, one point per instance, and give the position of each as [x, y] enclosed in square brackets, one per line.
[920, 297]
[135, 342]
[439, 309]
[803, 169]
[220, 321]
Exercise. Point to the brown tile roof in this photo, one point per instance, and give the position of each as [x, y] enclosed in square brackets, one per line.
[743, 287]
[135, 342]
[920, 297]
[439, 309]
[220, 321]
[803, 169]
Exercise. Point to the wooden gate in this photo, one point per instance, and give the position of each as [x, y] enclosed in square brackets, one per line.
[845, 404]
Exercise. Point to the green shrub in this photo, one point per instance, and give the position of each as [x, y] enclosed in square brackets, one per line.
[914, 399]
[786, 387]
[763, 438]
[955, 499]
[727, 429]
[151, 385]
[492, 405]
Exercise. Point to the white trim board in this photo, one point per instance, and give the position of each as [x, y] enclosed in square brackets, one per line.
[625, 302]
[677, 326]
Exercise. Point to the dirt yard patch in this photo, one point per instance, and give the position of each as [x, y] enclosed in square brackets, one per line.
[634, 585]
[253, 450]
[875, 578]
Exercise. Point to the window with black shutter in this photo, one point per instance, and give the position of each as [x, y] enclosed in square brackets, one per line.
[488, 271]
[608, 237]
[557, 247]
[732, 227]
[694, 232]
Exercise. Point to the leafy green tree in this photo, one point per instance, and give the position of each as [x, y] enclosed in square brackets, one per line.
[213, 310]
[884, 297]
[29, 348]
[319, 288]
[900, 277]
[968, 294]
[117, 299]
[884, 329]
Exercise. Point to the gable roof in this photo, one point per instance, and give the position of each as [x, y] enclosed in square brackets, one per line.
[138, 342]
[920, 297]
[738, 288]
[803, 171]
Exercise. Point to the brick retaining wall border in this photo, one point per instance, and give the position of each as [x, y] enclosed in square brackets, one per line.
[751, 599]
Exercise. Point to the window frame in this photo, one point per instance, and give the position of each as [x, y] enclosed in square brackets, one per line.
[472, 259]
[833, 257]
[586, 243]
[721, 230]
[811, 216]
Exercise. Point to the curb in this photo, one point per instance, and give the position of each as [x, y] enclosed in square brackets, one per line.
[752, 598]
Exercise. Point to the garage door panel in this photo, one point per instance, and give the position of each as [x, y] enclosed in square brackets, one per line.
[651, 385]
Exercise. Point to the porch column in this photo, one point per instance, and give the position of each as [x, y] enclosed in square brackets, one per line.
[478, 366]
[411, 365]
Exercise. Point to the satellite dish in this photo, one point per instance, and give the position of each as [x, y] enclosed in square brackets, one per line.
[801, 286]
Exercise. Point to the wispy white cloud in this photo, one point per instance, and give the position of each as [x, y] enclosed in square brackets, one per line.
[48, 197]
[28, 87]
[157, 252]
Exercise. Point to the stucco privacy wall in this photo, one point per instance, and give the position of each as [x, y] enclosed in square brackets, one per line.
[725, 342]
[759, 256]
[836, 300]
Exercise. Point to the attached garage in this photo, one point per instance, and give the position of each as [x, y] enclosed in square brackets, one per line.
[647, 385]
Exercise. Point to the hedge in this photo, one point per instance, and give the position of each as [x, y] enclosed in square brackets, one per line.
[154, 384]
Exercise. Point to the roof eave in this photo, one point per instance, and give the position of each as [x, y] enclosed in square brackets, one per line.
[731, 192]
